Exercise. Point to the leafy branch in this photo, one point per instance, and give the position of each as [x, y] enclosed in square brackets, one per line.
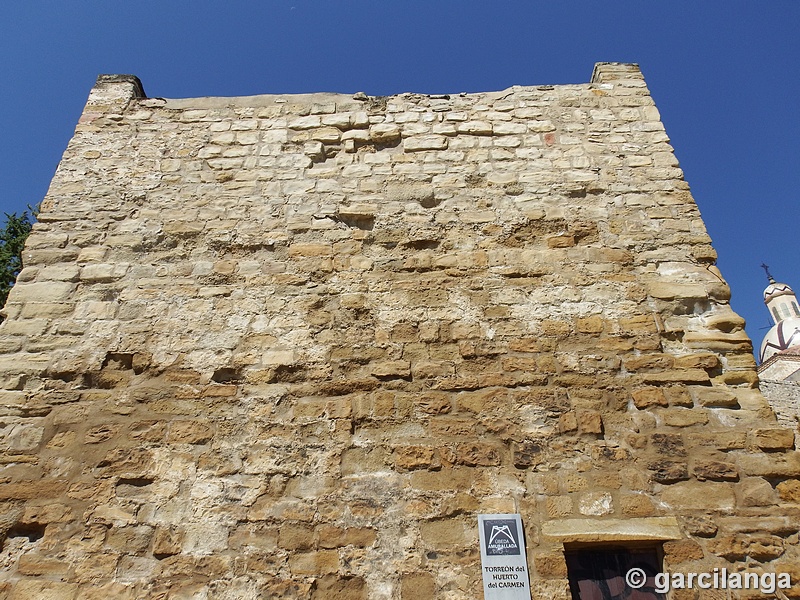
[12, 241]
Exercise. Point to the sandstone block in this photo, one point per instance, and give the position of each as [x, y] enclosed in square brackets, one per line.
[46, 291]
[446, 479]
[384, 133]
[590, 422]
[680, 551]
[692, 495]
[296, 537]
[26, 490]
[636, 505]
[650, 396]
[715, 470]
[527, 454]
[668, 471]
[133, 540]
[756, 491]
[722, 440]
[364, 460]
[96, 567]
[789, 490]
[699, 360]
[433, 403]
[477, 454]
[167, 541]
[323, 562]
[337, 537]
[422, 193]
[593, 324]
[770, 465]
[315, 150]
[676, 376]
[35, 565]
[559, 506]
[684, 417]
[568, 422]
[278, 357]
[47, 513]
[326, 135]
[43, 590]
[670, 291]
[654, 361]
[475, 128]
[425, 142]
[755, 546]
[391, 368]
[548, 564]
[408, 458]
[189, 432]
[341, 588]
[414, 586]
[22, 437]
[713, 397]
[717, 341]
[678, 395]
[310, 249]
[773, 439]
[443, 533]
[700, 526]
[307, 122]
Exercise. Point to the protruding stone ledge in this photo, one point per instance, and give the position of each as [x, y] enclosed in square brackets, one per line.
[111, 93]
[612, 530]
[129, 80]
[605, 72]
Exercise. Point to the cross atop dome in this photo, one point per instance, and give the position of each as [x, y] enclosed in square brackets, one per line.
[766, 270]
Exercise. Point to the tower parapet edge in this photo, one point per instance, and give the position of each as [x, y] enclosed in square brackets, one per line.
[605, 72]
[291, 346]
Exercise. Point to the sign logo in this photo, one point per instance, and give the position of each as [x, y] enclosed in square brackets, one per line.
[502, 537]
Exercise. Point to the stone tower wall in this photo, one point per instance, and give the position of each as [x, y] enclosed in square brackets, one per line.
[291, 346]
[784, 398]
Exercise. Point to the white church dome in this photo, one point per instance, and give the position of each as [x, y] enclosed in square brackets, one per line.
[775, 289]
[782, 336]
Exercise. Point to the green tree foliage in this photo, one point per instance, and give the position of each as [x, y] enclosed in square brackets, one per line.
[12, 240]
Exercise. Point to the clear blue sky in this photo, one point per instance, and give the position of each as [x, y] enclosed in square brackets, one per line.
[724, 74]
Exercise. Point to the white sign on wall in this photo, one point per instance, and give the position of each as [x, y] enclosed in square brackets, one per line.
[503, 560]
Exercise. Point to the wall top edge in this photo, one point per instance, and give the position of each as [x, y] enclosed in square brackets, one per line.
[603, 72]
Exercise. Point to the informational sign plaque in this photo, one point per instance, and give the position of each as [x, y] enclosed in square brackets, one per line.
[503, 560]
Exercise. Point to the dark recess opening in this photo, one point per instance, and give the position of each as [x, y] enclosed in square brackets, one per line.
[598, 572]
[32, 531]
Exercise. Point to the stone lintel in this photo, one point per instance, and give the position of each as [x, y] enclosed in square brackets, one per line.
[613, 530]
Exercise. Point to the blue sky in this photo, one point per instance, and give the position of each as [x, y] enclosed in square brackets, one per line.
[725, 76]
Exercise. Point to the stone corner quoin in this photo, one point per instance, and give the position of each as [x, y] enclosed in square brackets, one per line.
[292, 345]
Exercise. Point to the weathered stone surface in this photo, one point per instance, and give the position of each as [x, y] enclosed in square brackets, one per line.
[758, 547]
[417, 585]
[771, 465]
[756, 491]
[290, 346]
[773, 439]
[789, 490]
[679, 551]
[693, 495]
[425, 142]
